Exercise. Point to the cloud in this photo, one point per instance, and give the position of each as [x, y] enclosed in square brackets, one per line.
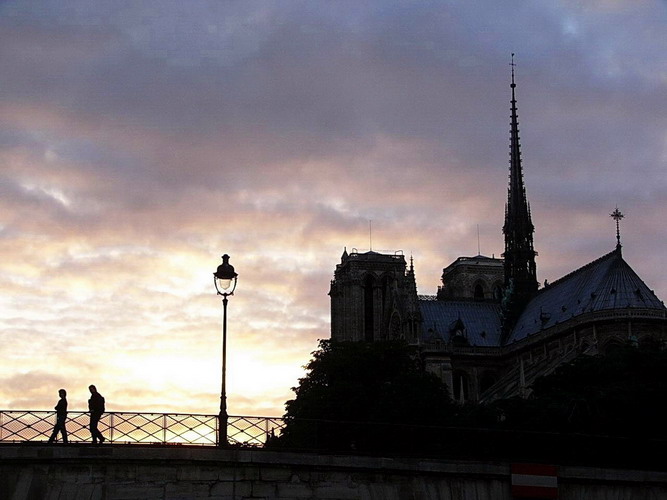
[138, 143]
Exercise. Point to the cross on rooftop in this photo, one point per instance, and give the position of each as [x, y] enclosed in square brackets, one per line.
[617, 216]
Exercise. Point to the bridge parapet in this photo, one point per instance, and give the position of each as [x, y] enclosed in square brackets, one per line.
[33, 470]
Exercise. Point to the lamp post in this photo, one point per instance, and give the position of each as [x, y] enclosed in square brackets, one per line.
[224, 279]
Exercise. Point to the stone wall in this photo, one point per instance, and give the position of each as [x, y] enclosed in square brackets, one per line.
[142, 472]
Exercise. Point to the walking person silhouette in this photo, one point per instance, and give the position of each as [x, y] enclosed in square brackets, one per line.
[96, 407]
[61, 417]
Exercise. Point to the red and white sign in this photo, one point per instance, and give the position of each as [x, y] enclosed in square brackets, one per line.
[534, 481]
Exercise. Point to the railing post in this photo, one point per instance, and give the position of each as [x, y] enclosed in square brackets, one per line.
[111, 426]
[164, 429]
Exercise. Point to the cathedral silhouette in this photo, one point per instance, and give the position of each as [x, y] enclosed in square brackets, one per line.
[490, 330]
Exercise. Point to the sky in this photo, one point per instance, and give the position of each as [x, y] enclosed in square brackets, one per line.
[141, 140]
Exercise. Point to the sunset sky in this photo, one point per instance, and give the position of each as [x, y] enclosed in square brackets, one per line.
[141, 140]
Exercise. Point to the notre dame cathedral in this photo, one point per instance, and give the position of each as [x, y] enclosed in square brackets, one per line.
[490, 330]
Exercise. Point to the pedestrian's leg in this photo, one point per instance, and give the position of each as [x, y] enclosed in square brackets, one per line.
[93, 427]
[63, 431]
[99, 435]
[54, 434]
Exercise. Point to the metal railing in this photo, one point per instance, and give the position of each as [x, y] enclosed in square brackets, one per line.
[139, 428]
[636, 449]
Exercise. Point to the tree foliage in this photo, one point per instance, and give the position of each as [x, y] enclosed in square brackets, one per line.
[363, 395]
[376, 398]
[621, 394]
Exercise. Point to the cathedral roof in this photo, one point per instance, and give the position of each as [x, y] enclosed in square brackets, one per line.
[478, 259]
[605, 284]
[480, 321]
[371, 256]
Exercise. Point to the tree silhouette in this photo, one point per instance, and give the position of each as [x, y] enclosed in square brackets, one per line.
[364, 396]
[623, 393]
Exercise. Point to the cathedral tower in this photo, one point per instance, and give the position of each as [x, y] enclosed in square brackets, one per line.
[374, 297]
[520, 269]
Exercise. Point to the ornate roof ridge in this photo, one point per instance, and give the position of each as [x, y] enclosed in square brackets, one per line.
[478, 257]
[583, 268]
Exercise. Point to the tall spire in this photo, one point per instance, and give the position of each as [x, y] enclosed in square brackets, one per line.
[517, 204]
[520, 269]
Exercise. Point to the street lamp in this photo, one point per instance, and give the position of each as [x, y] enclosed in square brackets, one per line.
[224, 279]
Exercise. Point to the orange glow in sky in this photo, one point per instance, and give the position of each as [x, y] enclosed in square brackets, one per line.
[139, 142]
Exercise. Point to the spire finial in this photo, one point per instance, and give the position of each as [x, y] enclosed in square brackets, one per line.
[617, 216]
[479, 251]
[370, 234]
[512, 65]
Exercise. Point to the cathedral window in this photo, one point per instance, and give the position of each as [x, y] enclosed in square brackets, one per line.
[487, 380]
[386, 291]
[459, 339]
[611, 346]
[460, 389]
[395, 326]
[369, 315]
[479, 292]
